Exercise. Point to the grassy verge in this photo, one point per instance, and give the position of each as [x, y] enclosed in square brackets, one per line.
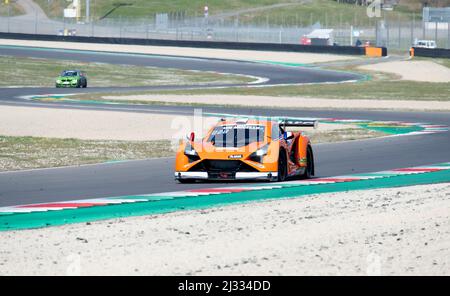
[327, 12]
[388, 90]
[33, 152]
[26, 69]
[147, 8]
[339, 135]
[378, 86]
[373, 90]
[18, 153]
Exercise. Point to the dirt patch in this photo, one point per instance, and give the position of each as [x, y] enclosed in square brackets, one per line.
[104, 75]
[424, 71]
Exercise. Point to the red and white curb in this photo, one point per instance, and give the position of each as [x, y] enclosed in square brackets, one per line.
[64, 205]
[75, 204]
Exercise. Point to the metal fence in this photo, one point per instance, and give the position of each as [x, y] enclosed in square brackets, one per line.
[394, 34]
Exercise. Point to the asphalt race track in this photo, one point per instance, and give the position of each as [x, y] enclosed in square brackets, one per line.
[156, 175]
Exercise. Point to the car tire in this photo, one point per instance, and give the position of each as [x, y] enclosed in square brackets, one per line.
[78, 84]
[282, 166]
[309, 171]
[85, 84]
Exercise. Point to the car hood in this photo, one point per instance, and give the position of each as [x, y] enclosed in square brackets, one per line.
[208, 151]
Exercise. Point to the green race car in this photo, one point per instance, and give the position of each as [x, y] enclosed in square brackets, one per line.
[71, 78]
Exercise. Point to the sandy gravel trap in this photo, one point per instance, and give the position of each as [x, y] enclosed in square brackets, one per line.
[105, 125]
[398, 231]
[422, 71]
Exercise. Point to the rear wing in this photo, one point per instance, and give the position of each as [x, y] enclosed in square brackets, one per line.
[299, 123]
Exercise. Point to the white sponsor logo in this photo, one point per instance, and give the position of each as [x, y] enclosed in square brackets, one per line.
[374, 9]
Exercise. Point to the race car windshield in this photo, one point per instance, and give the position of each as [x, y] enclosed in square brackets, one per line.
[236, 135]
[69, 73]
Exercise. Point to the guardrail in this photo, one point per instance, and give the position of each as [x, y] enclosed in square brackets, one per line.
[345, 50]
[431, 53]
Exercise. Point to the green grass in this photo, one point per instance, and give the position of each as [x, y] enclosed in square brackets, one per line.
[11, 9]
[324, 11]
[43, 72]
[34, 152]
[147, 8]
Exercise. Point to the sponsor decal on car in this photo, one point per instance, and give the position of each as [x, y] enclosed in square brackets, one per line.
[235, 156]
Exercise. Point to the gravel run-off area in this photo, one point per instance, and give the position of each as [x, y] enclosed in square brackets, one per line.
[423, 71]
[105, 125]
[398, 231]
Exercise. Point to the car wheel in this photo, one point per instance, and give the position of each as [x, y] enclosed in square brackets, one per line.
[282, 166]
[309, 172]
[85, 84]
[78, 84]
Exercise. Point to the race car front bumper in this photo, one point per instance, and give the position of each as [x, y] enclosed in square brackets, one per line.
[68, 85]
[268, 176]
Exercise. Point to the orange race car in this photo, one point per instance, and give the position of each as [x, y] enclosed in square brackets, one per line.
[245, 149]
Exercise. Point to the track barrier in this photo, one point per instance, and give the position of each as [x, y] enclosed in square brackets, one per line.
[345, 50]
[430, 52]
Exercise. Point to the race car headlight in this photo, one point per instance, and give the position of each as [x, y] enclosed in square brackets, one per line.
[73, 81]
[58, 81]
[190, 152]
[258, 155]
